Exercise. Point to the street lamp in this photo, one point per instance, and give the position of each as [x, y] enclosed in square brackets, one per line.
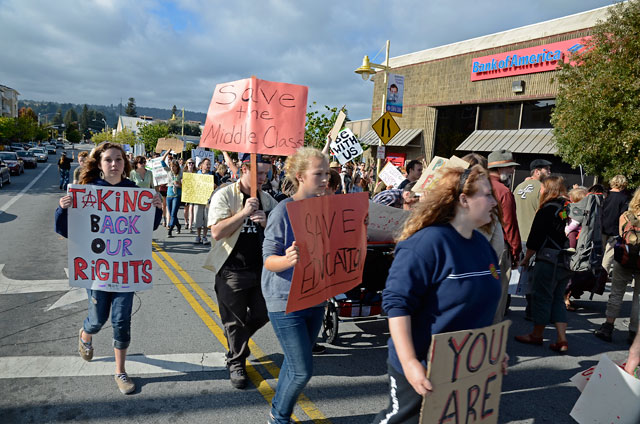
[367, 70]
[103, 120]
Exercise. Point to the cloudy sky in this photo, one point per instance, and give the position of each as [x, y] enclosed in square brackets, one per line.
[175, 52]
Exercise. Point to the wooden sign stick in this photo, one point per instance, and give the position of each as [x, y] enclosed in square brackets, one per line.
[254, 175]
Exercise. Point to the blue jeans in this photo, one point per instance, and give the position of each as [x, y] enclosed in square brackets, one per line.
[173, 204]
[64, 178]
[296, 332]
[120, 305]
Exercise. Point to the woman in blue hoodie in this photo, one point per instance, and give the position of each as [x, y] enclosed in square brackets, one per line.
[444, 277]
[107, 166]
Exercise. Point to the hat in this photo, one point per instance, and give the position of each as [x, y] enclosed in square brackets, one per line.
[64, 153]
[539, 163]
[334, 164]
[501, 159]
[246, 158]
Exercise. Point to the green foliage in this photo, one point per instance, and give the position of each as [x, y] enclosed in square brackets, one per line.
[83, 122]
[318, 126]
[70, 118]
[7, 129]
[27, 112]
[74, 136]
[102, 136]
[123, 137]
[174, 111]
[130, 110]
[150, 133]
[57, 118]
[175, 127]
[597, 113]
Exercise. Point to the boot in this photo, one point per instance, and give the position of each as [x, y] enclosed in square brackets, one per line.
[605, 332]
[170, 230]
[178, 226]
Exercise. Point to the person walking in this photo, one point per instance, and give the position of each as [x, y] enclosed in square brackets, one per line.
[199, 212]
[435, 286]
[308, 170]
[547, 241]
[174, 191]
[140, 175]
[82, 157]
[237, 223]
[106, 166]
[190, 168]
[64, 167]
[614, 205]
[414, 172]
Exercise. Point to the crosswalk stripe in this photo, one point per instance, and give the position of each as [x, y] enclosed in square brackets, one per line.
[74, 366]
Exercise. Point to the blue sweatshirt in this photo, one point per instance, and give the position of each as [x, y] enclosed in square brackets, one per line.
[60, 220]
[444, 282]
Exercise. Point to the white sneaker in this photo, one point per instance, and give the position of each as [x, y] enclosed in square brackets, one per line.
[205, 241]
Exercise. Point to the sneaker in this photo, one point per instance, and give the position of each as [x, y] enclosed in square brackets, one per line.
[205, 241]
[605, 332]
[318, 349]
[85, 349]
[197, 240]
[125, 384]
[238, 378]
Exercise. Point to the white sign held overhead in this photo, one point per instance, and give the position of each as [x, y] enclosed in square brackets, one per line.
[391, 175]
[380, 154]
[346, 146]
[160, 175]
[199, 154]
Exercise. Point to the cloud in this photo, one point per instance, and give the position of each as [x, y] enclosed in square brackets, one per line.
[175, 52]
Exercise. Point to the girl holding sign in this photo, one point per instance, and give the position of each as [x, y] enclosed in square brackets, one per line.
[308, 170]
[107, 166]
[444, 278]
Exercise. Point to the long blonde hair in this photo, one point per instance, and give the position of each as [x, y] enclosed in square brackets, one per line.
[634, 204]
[439, 203]
[299, 163]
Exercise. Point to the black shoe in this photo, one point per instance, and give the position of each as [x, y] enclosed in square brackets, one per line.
[605, 332]
[169, 233]
[178, 226]
[318, 349]
[238, 378]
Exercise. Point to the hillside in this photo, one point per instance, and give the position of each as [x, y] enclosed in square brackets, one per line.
[111, 112]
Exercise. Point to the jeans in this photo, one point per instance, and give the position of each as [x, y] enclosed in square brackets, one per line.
[120, 305]
[620, 280]
[64, 178]
[296, 332]
[173, 204]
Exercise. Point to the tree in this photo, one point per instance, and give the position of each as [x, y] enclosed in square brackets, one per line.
[74, 136]
[102, 137]
[7, 129]
[57, 118]
[130, 110]
[70, 118]
[318, 126]
[597, 113]
[28, 113]
[174, 111]
[84, 121]
[150, 133]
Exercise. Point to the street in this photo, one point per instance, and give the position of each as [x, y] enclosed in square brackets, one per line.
[177, 351]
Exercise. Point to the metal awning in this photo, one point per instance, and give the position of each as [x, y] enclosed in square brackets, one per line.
[403, 138]
[537, 141]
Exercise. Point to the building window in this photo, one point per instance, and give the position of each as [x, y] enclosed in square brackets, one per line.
[537, 113]
[454, 125]
[500, 116]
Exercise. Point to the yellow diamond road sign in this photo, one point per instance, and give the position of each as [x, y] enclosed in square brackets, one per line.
[386, 127]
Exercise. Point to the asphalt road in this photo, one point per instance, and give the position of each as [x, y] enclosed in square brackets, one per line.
[177, 342]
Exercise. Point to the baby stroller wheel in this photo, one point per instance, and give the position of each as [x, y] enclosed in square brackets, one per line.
[330, 322]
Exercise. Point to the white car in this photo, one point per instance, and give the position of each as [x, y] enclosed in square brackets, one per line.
[40, 153]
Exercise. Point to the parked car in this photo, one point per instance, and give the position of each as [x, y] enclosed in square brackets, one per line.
[5, 175]
[15, 147]
[15, 164]
[51, 149]
[29, 158]
[40, 153]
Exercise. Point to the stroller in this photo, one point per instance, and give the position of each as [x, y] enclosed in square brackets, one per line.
[365, 300]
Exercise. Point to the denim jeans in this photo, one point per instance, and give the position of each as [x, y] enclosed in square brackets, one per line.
[621, 278]
[64, 178]
[120, 305]
[173, 204]
[296, 332]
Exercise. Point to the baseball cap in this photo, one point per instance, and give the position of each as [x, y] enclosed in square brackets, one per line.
[246, 158]
[539, 163]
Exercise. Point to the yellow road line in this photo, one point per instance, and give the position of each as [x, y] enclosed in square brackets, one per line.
[304, 402]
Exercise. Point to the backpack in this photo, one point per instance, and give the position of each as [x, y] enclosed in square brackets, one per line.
[589, 249]
[627, 248]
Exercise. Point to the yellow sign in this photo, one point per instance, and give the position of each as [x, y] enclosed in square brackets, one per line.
[196, 188]
[386, 127]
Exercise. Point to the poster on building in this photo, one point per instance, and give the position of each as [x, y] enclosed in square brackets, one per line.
[160, 175]
[256, 116]
[331, 236]
[385, 222]
[110, 231]
[465, 369]
[395, 94]
[346, 146]
[196, 188]
[398, 159]
[430, 174]
[199, 154]
[390, 175]
[610, 396]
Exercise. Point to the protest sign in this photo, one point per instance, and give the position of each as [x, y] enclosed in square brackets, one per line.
[398, 159]
[160, 175]
[169, 144]
[256, 116]
[465, 369]
[395, 94]
[380, 152]
[390, 175]
[332, 241]
[196, 188]
[110, 230]
[582, 378]
[430, 174]
[337, 126]
[610, 396]
[385, 222]
[199, 154]
[346, 146]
